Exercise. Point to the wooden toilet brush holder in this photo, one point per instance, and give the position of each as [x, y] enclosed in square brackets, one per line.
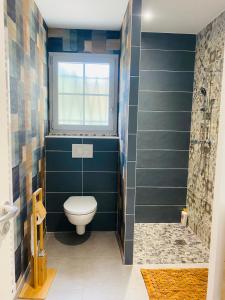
[41, 277]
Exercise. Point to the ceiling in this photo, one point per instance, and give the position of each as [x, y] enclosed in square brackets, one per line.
[175, 16]
[179, 16]
[83, 14]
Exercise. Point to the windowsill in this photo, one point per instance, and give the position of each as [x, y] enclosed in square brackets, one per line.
[81, 136]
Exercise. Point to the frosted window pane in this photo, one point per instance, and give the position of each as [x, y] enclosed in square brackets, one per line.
[96, 110]
[97, 70]
[97, 86]
[70, 78]
[70, 110]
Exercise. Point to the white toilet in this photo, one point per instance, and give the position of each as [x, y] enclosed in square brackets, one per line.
[80, 211]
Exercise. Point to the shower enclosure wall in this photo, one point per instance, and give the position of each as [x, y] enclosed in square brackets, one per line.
[171, 174]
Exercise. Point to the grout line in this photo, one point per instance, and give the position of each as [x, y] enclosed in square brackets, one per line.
[162, 130]
[103, 137]
[166, 50]
[161, 205]
[167, 71]
[158, 91]
[69, 151]
[165, 111]
[161, 187]
[82, 172]
[81, 192]
[98, 212]
[161, 168]
[172, 150]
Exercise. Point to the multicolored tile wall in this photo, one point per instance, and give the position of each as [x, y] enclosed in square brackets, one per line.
[26, 42]
[83, 41]
[128, 107]
[202, 157]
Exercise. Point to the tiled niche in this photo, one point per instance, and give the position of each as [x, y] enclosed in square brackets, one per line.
[67, 176]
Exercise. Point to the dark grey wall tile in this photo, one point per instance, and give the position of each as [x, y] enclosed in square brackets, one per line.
[165, 101]
[167, 60]
[136, 8]
[55, 201]
[132, 127]
[136, 28]
[168, 41]
[103, 144]
[64, 182]
[58, 222]
[158, 214]
[130, 201]
[163, 140]
[161, 177]
[129, 231]
[62, 161]
[135, 60]
[161, 196]
[162, 159]
[107, 202]
[134, 83]
[164, 118]
[101, 161]
[180, 121]
[131, 174]
[132, 147]
[166, 81]
[99, 182]
[128, 252]
[64, 144]
[102, 222]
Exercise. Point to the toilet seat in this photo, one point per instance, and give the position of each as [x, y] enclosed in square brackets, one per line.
[80, 205]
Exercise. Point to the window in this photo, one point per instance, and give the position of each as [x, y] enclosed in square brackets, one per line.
[83, 93]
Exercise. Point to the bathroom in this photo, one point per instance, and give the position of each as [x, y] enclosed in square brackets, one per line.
[113, 113]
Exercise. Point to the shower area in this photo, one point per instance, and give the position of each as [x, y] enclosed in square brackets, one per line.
[168, 146]
[176, 144]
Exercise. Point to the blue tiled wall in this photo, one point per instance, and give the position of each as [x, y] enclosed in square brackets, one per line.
[80, 41]
[66, 176]
[128, 108]
[164, 119]
[26, 35]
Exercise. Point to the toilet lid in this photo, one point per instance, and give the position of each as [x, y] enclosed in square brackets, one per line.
[80, 205]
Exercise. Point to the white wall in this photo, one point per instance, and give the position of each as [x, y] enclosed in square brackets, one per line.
[217, 250]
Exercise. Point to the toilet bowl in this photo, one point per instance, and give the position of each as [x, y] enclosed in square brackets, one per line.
[80, 211]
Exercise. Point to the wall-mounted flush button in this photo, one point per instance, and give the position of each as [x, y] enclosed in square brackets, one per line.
[82, 151]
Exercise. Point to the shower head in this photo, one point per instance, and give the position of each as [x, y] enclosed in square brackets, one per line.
[203, 91]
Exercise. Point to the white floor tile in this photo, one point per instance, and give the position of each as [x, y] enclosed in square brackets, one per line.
[92, 270]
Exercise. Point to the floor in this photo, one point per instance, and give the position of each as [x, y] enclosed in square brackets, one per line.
[167, 244]
[90, 267]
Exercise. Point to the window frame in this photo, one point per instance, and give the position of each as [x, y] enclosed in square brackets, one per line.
[112, 60]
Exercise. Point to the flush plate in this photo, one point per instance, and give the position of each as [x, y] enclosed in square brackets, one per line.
[82, 151]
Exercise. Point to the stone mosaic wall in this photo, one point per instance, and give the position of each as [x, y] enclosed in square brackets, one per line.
[202, 159]
[88, 41]
[26, 43]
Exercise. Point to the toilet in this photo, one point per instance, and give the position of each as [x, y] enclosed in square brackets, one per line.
[80, 211]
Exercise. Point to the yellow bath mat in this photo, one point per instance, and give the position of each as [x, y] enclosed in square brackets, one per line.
[176, 284]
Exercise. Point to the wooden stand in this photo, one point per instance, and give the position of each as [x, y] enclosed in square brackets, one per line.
[40, 278]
